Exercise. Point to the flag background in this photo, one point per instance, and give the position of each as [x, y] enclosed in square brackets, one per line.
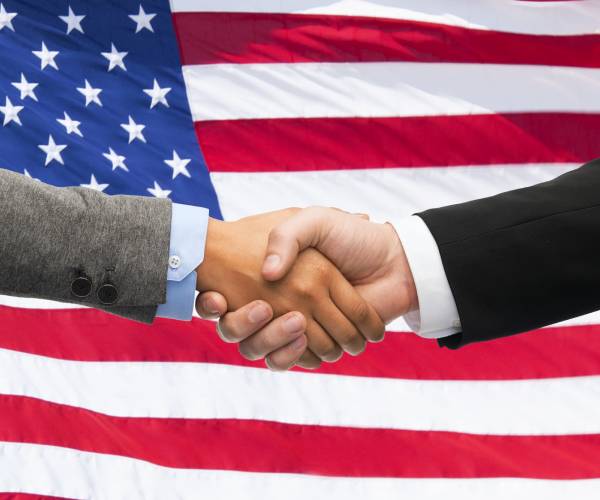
[383, 107]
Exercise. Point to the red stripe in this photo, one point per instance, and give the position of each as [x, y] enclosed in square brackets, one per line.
[259, 446]
[360, 143]
[208, 38]
[88, 335]
[27, 496]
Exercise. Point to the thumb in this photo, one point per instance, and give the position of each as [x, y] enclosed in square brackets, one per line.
[289, 238]
[210, 305]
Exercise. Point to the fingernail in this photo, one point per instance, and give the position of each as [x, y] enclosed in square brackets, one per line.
[299, 344]
[210, 306]
[293, 324]
[272, 262]
[258, 313]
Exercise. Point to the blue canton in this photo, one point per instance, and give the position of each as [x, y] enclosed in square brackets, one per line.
[92, 94]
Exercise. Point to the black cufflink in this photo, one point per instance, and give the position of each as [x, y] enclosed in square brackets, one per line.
[81, 286]
[108, 292]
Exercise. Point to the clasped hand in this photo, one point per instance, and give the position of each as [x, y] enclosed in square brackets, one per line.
[299, 287]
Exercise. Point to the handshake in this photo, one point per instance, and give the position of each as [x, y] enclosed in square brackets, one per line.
[303, 286]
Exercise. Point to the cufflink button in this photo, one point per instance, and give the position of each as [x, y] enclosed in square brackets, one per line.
[108, 294]
[174, 262]
[81, 286]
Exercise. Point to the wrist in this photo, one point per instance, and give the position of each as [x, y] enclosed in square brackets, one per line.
[401, 274]
[216, 242]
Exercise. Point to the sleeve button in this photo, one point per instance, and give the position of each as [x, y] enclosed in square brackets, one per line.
[81, 286]
[108, 294]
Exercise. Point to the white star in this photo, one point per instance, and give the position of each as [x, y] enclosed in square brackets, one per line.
[94, 185]
[159, 192]
[73, 21]
[6, 19]
[72, 126]
[117, 161]
[52, 151]
[11, 113]
[178, 165]
[91, 94]
[46, 56]
[115, 58]
[134, 130]
[142, 20]
[26, 88]
[158, 94]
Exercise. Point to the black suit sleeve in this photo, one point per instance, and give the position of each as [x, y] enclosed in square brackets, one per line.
[522, 259]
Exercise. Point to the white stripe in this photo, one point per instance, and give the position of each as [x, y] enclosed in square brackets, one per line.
[312, 90]
[29, 303]
[385, 194]
[555, 18]
[47, 470]
[201, 390]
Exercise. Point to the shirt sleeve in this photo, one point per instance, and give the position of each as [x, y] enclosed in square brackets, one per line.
[189, 226]
[437, 316]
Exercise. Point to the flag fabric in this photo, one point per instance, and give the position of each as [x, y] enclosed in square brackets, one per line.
[376, 106]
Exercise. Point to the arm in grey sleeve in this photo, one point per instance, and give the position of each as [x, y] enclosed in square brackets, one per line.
[52, 236]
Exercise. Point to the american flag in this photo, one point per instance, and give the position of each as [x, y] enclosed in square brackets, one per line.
[377, 106]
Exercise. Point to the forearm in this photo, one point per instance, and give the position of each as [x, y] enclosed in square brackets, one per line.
[523, 259]
[51, 236]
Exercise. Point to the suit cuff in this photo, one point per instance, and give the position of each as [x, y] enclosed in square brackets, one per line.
[437, 316]
[189, 226]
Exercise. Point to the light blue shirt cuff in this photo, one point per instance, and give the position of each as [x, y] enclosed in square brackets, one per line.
[189, 226]
[180, 299]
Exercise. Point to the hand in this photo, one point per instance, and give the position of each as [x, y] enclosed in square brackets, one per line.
[336, 316]
[370, 255]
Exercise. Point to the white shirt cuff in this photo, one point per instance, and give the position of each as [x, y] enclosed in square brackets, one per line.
[437, 315]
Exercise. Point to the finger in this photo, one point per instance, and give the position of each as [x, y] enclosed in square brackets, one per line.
[289, 238]
[287, 356]
[340, 328]
[239, 325]
[275, 335]
[357, 310]
[211, 305]
[308, 360]
[321, 344]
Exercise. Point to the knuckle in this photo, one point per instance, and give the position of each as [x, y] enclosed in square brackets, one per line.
[304, 289]
[291, 211]
[277, 235]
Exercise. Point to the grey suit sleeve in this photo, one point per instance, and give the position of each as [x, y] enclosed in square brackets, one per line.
[50, 236]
